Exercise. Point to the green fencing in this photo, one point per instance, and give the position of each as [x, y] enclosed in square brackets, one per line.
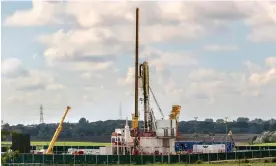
[137, 159]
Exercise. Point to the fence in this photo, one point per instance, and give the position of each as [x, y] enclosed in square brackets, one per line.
[139, 159]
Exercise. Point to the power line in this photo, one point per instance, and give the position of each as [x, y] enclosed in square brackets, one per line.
[41, 115]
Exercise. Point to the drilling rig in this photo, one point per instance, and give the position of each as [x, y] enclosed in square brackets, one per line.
[156, 136]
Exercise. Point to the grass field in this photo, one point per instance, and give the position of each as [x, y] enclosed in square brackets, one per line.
[265, 144]
[37, 143]
[105, 144]
[233, 164]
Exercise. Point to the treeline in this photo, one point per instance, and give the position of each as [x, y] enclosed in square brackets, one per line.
[84, 128]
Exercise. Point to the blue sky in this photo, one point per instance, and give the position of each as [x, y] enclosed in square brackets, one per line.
[215, 60]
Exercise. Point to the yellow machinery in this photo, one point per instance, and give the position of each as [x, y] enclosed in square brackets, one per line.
[134, 123]
[175, 115]
[58, 130]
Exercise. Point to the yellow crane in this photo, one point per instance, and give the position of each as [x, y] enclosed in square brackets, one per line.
[58, 130]
[175, 115]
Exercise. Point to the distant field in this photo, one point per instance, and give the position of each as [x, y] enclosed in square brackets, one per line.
[66, 143]
[107, 144]
[265, 144]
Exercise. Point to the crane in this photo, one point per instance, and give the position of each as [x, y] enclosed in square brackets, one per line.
[58, 130]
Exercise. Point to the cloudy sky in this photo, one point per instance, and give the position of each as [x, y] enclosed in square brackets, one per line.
[215, 59]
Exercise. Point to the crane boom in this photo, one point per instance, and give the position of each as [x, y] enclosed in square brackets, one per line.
[157, 103]
[58, 130]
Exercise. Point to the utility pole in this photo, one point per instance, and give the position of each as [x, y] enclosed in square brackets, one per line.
[226, 129]
[195, 128]
[226, 134]
[41, 115]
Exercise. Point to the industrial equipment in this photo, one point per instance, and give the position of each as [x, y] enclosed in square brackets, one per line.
[174, 115]
[135, 117]
[161, 112]
[58, 130]
[156, 136]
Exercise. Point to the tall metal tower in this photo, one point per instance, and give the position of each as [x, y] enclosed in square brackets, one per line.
[41, 115]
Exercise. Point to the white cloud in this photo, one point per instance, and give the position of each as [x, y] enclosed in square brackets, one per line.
[42, 13]
[129, 79]
[55, 87]
[191, 20]
[16, 76]
[94, 44]
[219, 48]
[162, 59]
[262, 26]
[252, 67]
[89, 75]
[271, 62]
[12, 67]
[266, 76]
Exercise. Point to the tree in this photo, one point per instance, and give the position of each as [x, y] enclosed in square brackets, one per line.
[219, 121]
[209, 120]
[243, 119]
[84, 129]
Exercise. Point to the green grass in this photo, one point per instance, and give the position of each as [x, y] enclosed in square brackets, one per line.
[38, 143]
[265, 144]
[224, 164]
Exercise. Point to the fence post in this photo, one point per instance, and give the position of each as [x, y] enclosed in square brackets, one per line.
[252, 155]
[119, 159]
[96, 159]
[208, 157]
[130, 159]
[189, 158]
[178, 159]
[226, 155]
[107, 159]
[63, 159]
[142, 159]
[33, 158]
[169, 159]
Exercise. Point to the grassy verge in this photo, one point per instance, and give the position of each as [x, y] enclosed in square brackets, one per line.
[38, 143]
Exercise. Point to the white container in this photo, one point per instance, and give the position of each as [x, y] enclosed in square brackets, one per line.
[216, 148]
[104, 151]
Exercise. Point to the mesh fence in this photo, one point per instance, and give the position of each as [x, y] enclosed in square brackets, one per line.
[137, 159]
